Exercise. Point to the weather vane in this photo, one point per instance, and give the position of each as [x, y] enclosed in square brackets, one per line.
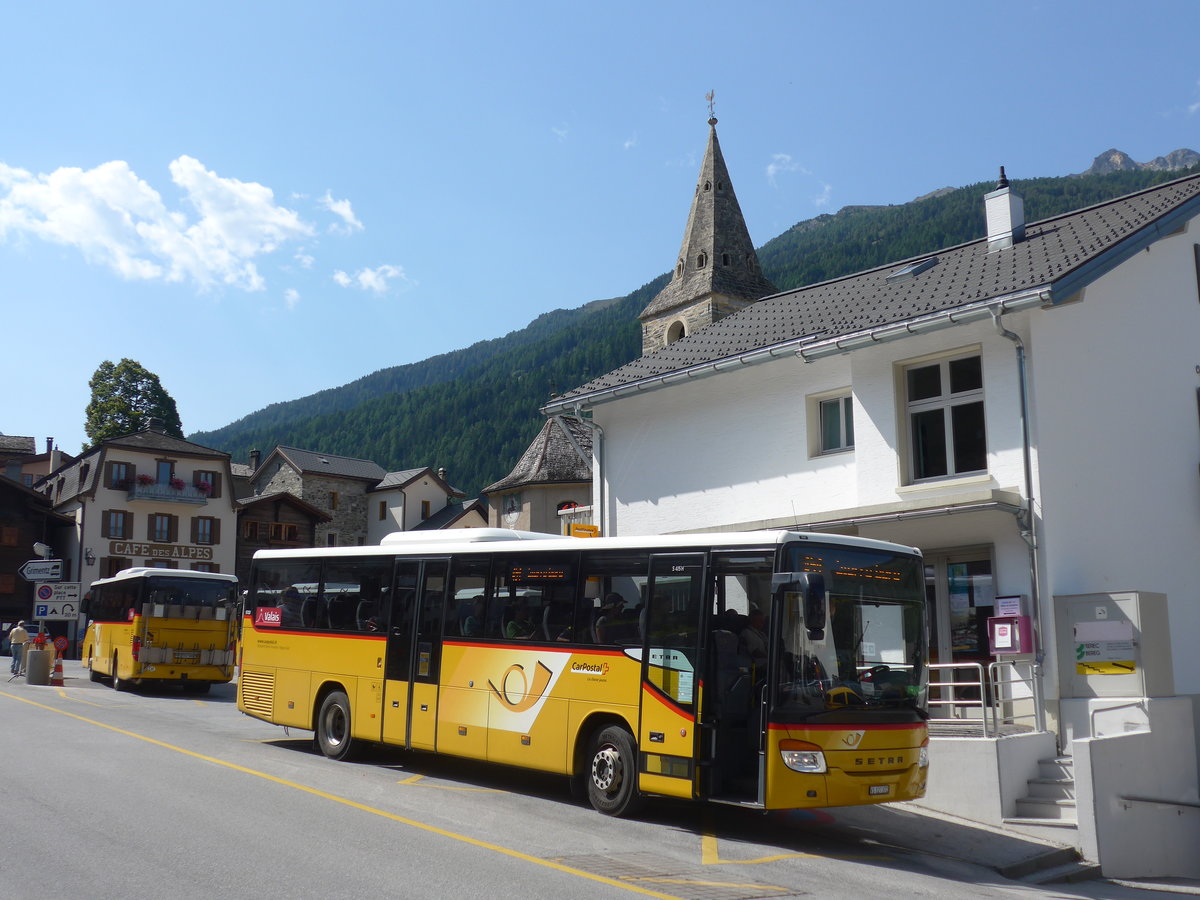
[711, 110]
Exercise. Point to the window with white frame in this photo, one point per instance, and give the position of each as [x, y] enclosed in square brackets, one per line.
[944, 404]
[836, 416]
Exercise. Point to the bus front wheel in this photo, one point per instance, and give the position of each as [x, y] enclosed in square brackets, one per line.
[333, 726]
[93, 675]
[612, 772]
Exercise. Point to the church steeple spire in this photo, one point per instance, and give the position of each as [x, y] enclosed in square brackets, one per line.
[717, 271]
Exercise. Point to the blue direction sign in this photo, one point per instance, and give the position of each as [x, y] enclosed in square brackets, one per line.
[42, 570]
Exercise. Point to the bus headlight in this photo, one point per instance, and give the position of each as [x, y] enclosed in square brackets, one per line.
[801, 756]
[923, 757]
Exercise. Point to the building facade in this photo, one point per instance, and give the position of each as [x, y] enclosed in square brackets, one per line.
[1023, 409]
[144, 499]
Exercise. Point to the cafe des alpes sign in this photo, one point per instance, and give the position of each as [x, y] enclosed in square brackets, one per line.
[160, 551]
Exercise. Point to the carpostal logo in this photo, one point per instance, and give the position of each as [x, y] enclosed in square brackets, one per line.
[589, 668]
[268, 616]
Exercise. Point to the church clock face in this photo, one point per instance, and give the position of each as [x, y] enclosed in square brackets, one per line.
[512, 509]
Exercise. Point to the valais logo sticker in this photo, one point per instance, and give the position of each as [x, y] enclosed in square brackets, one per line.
[268, 616]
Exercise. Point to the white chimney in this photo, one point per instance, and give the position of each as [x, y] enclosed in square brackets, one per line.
[1005, 211]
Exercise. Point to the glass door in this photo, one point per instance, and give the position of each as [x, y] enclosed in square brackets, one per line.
[671, 671]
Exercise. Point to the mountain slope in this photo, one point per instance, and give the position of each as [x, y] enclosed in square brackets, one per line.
[475, 410]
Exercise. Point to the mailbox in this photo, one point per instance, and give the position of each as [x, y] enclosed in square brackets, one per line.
[1010, 635]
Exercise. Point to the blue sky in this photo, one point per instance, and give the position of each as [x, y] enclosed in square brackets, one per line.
[257, 201]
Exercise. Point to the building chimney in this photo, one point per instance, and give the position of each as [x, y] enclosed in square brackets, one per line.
[441, 473]
[49, 444]
[255, 459]
[1005, 211]
[154, 423]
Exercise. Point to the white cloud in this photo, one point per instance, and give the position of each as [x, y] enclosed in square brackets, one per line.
[378, 279]
[291, 297]
[306, 260]
[116, 219]
[823, 198]
[560, 132]
[783, 162]
[341, 208]
[632, 142]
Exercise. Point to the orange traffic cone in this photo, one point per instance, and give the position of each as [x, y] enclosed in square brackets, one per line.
[56, 677]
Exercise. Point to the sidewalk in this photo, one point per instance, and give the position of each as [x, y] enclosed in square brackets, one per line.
[1011, 854]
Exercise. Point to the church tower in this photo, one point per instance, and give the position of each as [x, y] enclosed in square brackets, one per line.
[717, 272]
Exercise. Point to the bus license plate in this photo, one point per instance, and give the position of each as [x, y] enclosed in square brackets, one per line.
[877, 789]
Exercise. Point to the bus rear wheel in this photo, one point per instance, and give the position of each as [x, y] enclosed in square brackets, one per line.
[333, 726]
[612, 772]
[118, 683]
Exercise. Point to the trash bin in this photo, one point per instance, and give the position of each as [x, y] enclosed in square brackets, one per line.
[37, 665]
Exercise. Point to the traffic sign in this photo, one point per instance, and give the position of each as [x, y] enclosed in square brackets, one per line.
[59, 601]
[42, 570]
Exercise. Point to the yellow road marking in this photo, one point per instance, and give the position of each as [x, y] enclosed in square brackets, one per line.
[334, 798]
[62, 693]
[710, 855]
[413, 779]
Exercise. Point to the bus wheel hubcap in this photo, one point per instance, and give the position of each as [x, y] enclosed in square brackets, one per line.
[606, 769]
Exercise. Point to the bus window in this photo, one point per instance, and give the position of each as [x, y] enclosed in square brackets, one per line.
[351, 597]
[290, 585]
[616, 583]
[536, 594]
[468, 613]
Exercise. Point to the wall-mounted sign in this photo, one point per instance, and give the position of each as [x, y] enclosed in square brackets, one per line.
[160, 551]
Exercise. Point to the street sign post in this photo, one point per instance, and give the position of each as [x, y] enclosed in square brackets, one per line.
[58, 602]
[42, 570]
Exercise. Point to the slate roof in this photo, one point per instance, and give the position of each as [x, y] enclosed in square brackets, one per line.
[448, 515]
[11, 443]
[1060, 256]
[403, 479]
[148, 439]
[561, 453]
[309, 462]
[82, 475]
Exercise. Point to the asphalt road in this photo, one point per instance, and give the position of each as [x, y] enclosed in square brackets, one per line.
[158, 793]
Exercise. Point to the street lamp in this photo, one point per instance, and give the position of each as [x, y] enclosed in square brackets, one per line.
[89, 557]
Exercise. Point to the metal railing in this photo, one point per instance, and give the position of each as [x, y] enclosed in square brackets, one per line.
[971, 700]
[956, 699]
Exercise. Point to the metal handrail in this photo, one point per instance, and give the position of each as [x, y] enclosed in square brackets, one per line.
[957, 703]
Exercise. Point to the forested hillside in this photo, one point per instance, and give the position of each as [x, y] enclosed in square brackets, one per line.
[475, 410]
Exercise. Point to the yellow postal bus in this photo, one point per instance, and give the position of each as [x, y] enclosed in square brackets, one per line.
[162, 625]
[770, 670]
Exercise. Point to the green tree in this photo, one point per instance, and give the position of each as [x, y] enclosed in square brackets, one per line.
[124, 397]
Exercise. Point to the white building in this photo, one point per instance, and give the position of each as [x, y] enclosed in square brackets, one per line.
[1022, 408]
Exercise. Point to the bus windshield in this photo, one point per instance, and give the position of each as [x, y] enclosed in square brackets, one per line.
[167, 591]
[861, 641]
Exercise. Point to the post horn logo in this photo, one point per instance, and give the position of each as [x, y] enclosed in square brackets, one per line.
[851, 738]
[520, 697]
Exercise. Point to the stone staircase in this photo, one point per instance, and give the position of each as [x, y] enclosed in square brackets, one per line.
[1050, 803]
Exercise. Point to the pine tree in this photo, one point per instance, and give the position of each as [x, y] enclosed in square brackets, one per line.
[124, 397]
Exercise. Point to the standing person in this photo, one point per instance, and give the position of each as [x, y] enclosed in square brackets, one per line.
[17, 638]
[754, 637]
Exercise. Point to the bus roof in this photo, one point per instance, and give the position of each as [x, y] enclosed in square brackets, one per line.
[466, 540]
[143, 571]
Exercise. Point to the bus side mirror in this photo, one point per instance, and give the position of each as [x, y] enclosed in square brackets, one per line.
[811, 588]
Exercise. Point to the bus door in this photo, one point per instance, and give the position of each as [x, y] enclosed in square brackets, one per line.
[667, 731]
[414, 654]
